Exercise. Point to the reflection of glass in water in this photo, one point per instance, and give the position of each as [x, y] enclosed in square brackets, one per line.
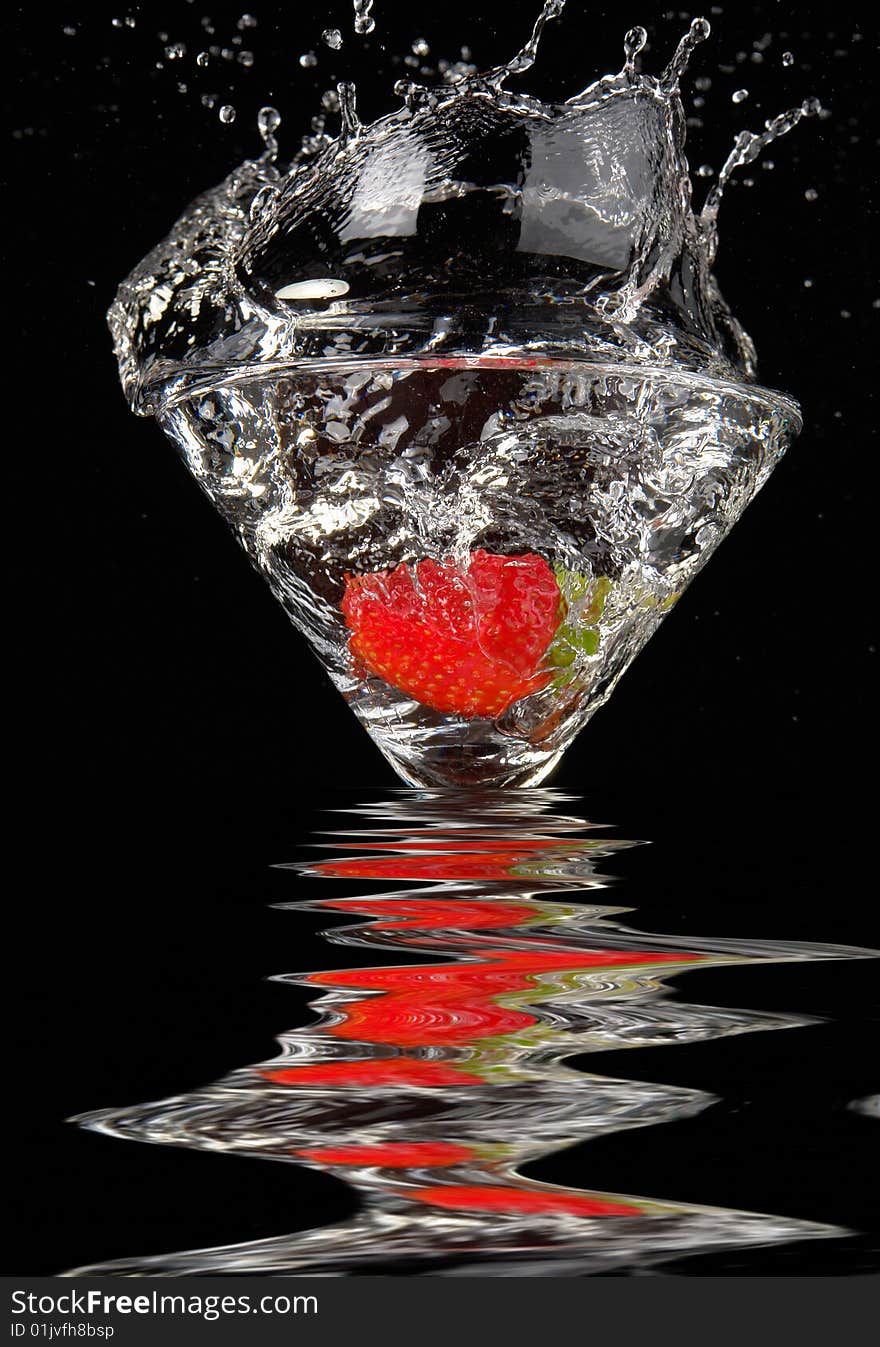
[429, 1086]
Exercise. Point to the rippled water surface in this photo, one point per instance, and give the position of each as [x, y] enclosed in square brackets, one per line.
[491, 966]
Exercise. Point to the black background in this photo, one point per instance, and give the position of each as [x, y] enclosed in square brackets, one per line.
[171, 736]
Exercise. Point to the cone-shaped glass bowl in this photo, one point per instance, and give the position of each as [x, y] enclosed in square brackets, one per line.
[477, 548]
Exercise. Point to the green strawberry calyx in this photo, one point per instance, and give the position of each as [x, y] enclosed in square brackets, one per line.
[578, 634]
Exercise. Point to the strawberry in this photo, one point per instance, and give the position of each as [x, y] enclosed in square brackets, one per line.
[467, 639]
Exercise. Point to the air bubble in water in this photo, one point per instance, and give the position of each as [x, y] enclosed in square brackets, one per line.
[332, 37]
[227, 114]
[739, 96]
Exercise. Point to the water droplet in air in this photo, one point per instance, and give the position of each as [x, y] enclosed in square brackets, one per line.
[808, 284]
[332, 37]
[227, 114]
[268, 120]
[363, 19]
[705, 171]
[787, 58]
[420, 47]
[246, 58]
[246, 21]
[68, 30]
[117, 23]
[176, 51]
[208, 100]
[633, 43]
[203, 59]
[739, 95]
[811, 194]
[308, 59]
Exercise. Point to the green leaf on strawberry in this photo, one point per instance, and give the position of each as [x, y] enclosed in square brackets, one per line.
[579, 634]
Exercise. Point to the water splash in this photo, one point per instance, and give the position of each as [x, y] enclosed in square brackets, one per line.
[430, 1086]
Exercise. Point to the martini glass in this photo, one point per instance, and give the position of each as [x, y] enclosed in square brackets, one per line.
[465, 388]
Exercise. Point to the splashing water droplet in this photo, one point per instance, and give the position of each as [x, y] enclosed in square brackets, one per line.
[420, 47]
[698, 32]
[203, 59]
[739, 96]
[633, 43]
[525, 58]
[227, 114]
[175, 51]
[348, 111]
[363, 20]
[332, 37]
[268, 120]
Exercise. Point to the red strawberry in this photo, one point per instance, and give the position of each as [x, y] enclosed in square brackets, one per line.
[468, 639]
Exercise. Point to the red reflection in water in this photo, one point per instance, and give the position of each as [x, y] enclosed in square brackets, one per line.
[437, 1004]
[450, 856]
[396, 1155]
[454, 1005]
[472, 1197]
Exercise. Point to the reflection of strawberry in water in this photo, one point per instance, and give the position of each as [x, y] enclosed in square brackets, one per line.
[460, 858]
[408, 1010]
[468, 639]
